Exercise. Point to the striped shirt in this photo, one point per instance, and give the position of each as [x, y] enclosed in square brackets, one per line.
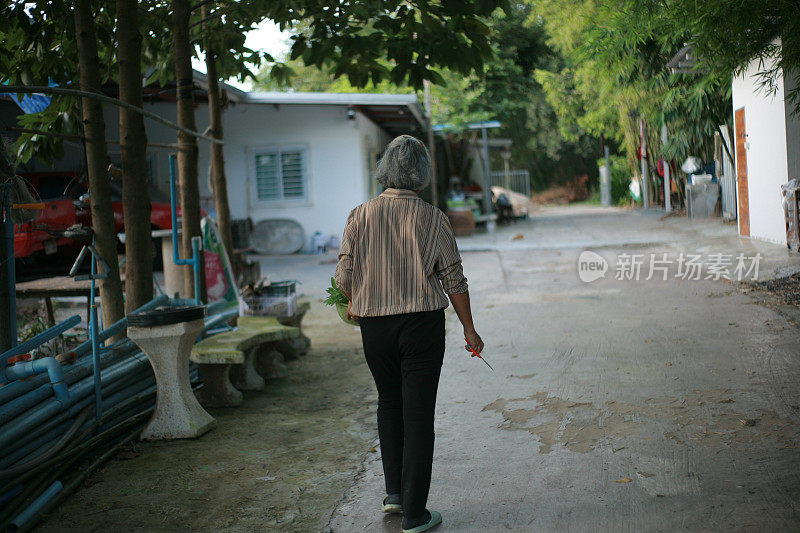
[398, 255]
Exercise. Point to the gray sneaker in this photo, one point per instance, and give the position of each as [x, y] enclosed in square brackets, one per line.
[391, 504]
[428, 521]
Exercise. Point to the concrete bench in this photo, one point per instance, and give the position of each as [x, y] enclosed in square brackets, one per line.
[295, 347]
[246, 355]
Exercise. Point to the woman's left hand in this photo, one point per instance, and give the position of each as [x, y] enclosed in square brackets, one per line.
[350, 315]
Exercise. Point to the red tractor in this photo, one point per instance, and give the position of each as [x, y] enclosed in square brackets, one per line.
[66, 203]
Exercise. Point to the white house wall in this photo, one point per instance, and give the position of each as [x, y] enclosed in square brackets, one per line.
[767, 166]
[336, 159]
[373, 143]
[335, 170]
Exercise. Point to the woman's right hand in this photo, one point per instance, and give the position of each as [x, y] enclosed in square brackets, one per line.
[350, 314]
[474, 340]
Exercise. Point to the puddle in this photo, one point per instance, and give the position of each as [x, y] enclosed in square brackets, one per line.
[708, 418]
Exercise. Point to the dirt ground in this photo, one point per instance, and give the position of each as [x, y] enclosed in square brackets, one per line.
[281, 461]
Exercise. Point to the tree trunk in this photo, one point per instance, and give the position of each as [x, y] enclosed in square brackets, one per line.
[133, 142]
[187, 144]
[219, 182]
[94, 129]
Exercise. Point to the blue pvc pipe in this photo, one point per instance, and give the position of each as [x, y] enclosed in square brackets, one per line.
[93, 334]
[24, 401]
[18, 390]
[35, 447]
[41, 338]
[117, 326]
[37, 504]
[78, 399]
[196, 241]
[116, 393]
[197, 245]
[38, 366]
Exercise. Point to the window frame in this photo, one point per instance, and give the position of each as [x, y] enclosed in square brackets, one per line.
[278, 149]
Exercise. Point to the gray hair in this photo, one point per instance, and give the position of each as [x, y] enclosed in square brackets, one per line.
[406, 164]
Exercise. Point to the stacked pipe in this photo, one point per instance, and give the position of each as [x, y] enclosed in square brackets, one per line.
[48, 439]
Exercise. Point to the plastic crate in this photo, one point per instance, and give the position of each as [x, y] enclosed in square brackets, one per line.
[278, 299]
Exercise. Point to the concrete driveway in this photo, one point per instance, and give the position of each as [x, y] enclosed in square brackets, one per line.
[617, 404]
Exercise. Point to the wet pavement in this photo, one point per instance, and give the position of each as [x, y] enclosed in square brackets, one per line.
[617, 404]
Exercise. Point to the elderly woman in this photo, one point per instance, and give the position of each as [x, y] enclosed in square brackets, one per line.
[398, 259]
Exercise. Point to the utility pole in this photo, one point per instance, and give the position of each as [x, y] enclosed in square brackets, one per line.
[431, 143]
[605, 180]
[667, 189]
[645, 178]
[487, 185]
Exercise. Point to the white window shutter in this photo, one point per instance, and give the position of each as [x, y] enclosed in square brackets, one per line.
[293, 174]
[267, 187]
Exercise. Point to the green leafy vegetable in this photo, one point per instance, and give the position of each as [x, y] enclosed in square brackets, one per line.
[335, 295]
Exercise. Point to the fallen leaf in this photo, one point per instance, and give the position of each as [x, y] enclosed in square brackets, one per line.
[461, 401]
[373, 449]
[624, 480]
[579, 404]
[618, 449]
[669, 364]
[517, 237]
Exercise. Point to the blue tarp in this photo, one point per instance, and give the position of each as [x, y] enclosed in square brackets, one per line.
[33, 102]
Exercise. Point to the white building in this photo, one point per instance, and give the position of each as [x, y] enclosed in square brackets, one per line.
[767, 141]
[307, 157]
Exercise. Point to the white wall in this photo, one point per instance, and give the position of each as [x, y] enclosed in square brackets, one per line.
[766, 147]
[373, 143]
[336, 182]
[337, 158]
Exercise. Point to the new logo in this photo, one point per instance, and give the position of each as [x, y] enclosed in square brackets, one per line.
[591, 266]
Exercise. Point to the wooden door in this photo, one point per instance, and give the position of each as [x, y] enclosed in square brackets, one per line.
[741, 172]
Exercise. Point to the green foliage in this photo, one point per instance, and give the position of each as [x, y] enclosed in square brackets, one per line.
[505, 90]
[335, 295]
[366, 43]
[300, 77]
[727, 34]
[404, 42]
[615, 76]
[35, 327]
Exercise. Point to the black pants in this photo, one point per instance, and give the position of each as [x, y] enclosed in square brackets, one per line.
[404, 354]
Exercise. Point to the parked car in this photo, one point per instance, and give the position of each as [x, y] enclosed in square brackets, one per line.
[66, 202]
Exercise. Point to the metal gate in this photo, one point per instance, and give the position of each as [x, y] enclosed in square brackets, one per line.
[514, 180]
[726, 176]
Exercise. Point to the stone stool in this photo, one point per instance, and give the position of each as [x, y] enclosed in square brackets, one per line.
[178, 414]
[297, 346]
[245, 376]
[214, 356]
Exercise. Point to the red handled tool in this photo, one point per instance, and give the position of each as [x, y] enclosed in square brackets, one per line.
[476, 354]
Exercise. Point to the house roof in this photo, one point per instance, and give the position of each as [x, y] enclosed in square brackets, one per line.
[397, 114]
[684, 61]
